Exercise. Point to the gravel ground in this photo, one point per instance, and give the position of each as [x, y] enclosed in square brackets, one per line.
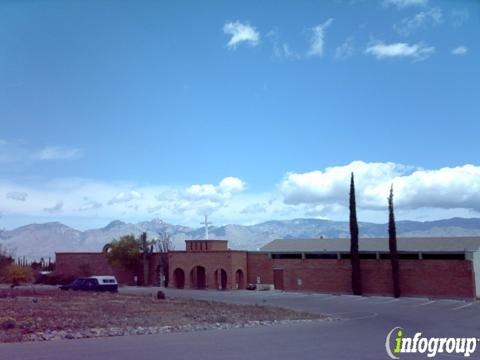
[28, 315]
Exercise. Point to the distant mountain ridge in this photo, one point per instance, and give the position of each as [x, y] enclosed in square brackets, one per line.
[43, 240]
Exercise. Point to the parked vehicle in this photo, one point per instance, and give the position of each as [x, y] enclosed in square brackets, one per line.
[93, 283]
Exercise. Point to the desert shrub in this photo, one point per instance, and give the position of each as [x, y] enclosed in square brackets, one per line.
[17, 274]
[6, 259]
[7, 323]
[221, 319]
[36, 266]
[39, 278]
[54, 279]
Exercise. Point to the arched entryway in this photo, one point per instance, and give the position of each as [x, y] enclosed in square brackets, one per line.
[198, 278]
[239, 279]
[179, 278]
[221, 279]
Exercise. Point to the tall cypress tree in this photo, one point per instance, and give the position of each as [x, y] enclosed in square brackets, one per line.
[392, 243]
[354, 252]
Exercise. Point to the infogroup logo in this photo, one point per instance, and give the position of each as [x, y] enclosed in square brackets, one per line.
[397, 343]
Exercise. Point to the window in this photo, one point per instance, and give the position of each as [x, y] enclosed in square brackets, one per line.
[368, 256]
[287, 256]
[320, 256]
[443, 256]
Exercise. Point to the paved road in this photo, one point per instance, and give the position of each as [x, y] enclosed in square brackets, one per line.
[359, 334]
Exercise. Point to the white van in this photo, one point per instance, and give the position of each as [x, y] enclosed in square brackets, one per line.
[106, 282]
[93, 283]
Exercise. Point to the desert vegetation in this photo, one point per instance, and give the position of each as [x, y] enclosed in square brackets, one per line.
[51, 314]
[13, 273]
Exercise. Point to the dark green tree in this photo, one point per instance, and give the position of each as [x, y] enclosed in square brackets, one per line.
[392, 244]
[354, 252]
[6, 259]
[125, 253]
[131, 253]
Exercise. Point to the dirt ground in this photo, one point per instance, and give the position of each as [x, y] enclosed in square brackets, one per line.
[27, 315]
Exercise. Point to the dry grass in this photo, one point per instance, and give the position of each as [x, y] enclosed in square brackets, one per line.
[23, 313]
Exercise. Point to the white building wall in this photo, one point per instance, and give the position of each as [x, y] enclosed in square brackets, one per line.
[476, 271]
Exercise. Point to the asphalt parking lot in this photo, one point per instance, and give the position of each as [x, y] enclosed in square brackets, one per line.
[401, 310]
[359, 332]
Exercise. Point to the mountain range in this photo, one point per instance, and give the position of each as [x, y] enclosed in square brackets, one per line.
[43, 240]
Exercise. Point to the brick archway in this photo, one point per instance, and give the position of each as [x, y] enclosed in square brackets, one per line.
[239, 279]
[198, 277]
[221, 279]
[179, 278]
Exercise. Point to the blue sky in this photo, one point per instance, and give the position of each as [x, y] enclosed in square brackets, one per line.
[248, 111]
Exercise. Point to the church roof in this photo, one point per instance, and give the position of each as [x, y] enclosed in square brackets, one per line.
[410, 244]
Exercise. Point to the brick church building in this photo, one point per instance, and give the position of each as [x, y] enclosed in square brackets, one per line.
[432, 267]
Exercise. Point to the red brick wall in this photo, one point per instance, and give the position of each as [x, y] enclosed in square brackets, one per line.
[217, 245]
[239, 262]
[259, 264]
[206, 245]
[230, 261]
[437, 278]
[432, 278]
[71, 264]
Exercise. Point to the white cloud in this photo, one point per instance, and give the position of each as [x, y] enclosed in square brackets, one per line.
[419, 194]
[18, 196]
[231, 185]
[20, 151]
[124, 197]
[81, 200]
[408, 25]
[445, 188]
[329, 185]
[254, 208]
[345, 50]
[449, 187]
[206, 191]
[55, 208]
[206, 198]
[89, 204]
[402, 4]
[460, 50]
[416, 52]
[190, 202]
[317, 40]
[241, 33]
[281, 49]
[56, 153]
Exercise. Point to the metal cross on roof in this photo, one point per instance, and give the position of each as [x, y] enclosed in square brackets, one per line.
[206, 223]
